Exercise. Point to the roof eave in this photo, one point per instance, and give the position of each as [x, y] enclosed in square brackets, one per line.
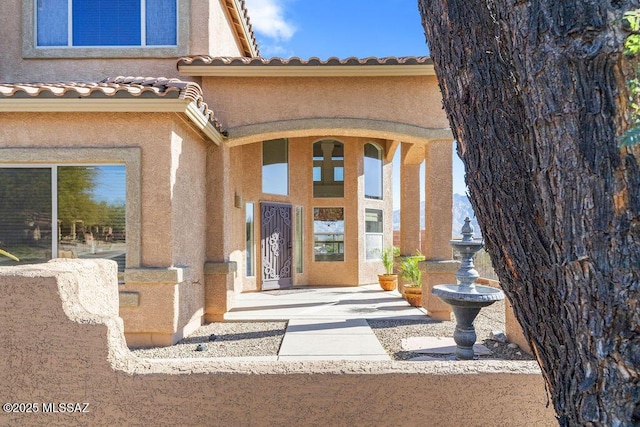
[306, 70]
[244, 33]
[118, 105]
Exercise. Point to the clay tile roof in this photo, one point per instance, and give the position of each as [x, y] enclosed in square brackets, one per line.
[116, 87]
[295, 61]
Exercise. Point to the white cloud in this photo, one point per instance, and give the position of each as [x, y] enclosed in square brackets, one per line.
[267, 18]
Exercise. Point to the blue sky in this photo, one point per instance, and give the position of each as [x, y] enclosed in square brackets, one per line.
[342, 28]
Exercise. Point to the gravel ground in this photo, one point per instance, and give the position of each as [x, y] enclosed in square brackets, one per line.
[255, 339]
[391, 332]
[230, 339]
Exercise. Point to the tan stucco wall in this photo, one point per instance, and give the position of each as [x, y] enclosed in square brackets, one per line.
[208, 32]
[246, 101]
[221, 38]
[62, 342]
[171, 222]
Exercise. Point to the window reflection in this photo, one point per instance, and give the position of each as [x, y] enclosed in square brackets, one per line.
[373, 233]
[275, 167]
[372, 171]
[328, 233]
[91, 212]
[90, 215]
[25, 214]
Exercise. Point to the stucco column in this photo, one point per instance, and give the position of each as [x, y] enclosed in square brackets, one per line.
[435, 245]
[219, 272]
[410, 200]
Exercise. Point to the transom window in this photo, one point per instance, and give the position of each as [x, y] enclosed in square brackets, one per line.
[111, 23]
[275, 166]
[328, 169]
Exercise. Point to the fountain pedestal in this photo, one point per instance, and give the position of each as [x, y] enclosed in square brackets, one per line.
[466, 298]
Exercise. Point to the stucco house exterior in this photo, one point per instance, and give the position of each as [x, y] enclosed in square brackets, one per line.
[153, 133]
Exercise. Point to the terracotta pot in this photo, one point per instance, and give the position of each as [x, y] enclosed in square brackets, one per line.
[388, 282]
[413, 295]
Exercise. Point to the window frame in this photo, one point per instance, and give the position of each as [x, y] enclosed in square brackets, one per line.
[30, 49]
[130, 157]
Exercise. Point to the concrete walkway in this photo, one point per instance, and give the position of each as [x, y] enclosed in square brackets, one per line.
[326, 323]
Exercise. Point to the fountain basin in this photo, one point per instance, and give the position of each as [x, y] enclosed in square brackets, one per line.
[468, 296]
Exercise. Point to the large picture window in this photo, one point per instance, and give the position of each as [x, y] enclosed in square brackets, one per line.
[373, 233]
[110, 23]
[372, 171]
[275, 167]
[63, 212]
[328, 169]
[328, 234]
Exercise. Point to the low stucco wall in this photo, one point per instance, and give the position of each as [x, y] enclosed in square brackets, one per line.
[63, 342]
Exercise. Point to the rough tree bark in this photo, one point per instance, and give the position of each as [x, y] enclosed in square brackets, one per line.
[536, 96]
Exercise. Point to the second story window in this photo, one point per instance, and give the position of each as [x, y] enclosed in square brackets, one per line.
[110, 23]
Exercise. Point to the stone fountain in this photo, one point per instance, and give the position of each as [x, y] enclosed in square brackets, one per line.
[466, 298]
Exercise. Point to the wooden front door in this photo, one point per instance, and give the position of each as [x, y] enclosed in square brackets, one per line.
[276, 243]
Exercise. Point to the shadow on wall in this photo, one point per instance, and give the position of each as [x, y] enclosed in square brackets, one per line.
[62, 341]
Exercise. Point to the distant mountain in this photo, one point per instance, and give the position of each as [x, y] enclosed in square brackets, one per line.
[460, 209]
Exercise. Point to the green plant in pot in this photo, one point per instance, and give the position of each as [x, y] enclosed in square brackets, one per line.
[410, 271]
[389, 280]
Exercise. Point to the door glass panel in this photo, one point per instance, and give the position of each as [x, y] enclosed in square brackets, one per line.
[249, 243]
[299, 239]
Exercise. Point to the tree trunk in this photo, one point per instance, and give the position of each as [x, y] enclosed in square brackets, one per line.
[536, 97]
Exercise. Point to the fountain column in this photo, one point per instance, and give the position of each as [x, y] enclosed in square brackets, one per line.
[466, 298]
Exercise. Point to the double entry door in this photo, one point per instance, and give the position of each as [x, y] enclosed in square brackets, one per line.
[276, 245]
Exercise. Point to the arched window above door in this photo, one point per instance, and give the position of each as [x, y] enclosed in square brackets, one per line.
[372, 171]
[328, 168]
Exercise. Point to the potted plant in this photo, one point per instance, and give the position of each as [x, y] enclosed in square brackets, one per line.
[389, 280]
[410, 272]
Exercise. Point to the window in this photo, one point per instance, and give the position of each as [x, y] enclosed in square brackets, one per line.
[299, 239]
[85, 203]
[96, 23]
[373, 233]
[328, 234]
[275, 167]
[250, 242]
[372, 171]
[328, 169]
